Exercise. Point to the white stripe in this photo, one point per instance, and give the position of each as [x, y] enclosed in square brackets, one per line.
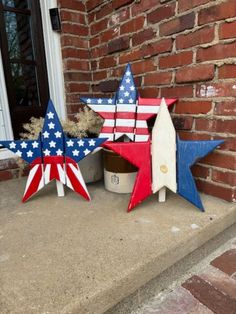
[125, 122]
[141, 124]
[103, 108]
[47, 173]
[109, 122]
[126, 108]
[68, 182]
[110, 136]
[141, 138]
[41, 183]
[31, 176]
[148, 109]
[61, 173]
[130, 135]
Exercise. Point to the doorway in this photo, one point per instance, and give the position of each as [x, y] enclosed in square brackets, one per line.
[24, 61]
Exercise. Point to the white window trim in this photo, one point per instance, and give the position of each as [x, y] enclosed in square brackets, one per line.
[55, 74]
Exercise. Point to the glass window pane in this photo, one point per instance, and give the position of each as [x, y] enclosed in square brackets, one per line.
[25, 84]
[18, 36]
[19, 4]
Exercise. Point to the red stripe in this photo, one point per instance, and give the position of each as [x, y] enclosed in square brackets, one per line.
[107, 129]
[33, 187]
[107, 115]
[124, 129]
[125, 115]
[145, 116]
[142, 131]
[76, 183]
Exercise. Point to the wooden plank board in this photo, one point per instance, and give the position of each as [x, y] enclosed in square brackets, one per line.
[163, 152]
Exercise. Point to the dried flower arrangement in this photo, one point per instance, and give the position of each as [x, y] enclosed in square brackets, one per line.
[87, 124]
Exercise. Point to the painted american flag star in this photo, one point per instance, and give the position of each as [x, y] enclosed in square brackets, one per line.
[126, 113]
[54, 156]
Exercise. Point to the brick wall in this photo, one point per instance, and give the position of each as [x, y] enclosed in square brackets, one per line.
[184, 49]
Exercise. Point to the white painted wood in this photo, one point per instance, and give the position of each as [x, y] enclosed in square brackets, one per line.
[53, 59]
[5, 120]
[163, 152]
[60, 189]
[162, 195]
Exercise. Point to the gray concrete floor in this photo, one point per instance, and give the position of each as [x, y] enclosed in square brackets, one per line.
[66, 255]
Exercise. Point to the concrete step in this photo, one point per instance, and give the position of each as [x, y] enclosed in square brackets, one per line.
[65, 255]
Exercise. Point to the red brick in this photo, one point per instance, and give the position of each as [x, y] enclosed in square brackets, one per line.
[143, 36]
[176, 60]
[200, 171]
[107, 62]
[185, 5]
[116, 4]
[224, 177]
[95, 41]
[99, 75]
[109, 86]
[161, 78]
[73, 5]
[156, 48]
[177, 92]
[133, 26]
[217, 12]
[226, 262]
[195, 74]
[229, 144]
[225, 108]
[104, 11]
[220, 160]
[193, 107]
[74, 87]
[118, 44]
[161, 13]
[227, 71]
[216, 52]
[130, 56]
[149, 92]
[216, 90]
[143, 6]
[69, 52]
[143, 67]
[92, 4]
[6, 164]
[227, 30]
[193, 136]
[199, 37]
[73, 41]
[77, 76]
[99, 51]
[118, 17]
[5, 175]
[208, 295]
[74, 29]
[74, 64]
[220, 281]
[177, 25]
[108, 35]
[181, 123]
[98, 27]
[72, 16]
[220, 126]
[226, 193]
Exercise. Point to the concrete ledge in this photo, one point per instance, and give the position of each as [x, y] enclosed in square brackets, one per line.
[65, 255]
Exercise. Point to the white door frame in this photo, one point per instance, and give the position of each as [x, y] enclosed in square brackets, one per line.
[55, 76]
